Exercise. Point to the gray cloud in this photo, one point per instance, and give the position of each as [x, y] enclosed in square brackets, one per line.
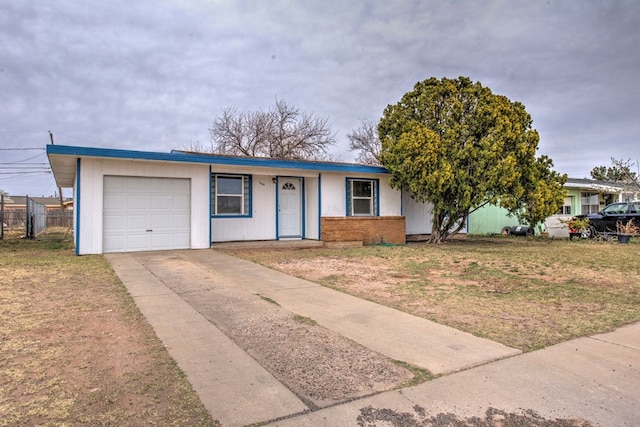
[152, 75]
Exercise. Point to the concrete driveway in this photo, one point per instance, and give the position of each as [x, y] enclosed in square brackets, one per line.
[596, 379]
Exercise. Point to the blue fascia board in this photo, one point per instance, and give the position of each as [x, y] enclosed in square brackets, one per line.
[181, 157]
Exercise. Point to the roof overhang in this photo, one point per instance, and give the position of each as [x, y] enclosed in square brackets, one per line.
[64, 161]
[599, 186]
[63, 167]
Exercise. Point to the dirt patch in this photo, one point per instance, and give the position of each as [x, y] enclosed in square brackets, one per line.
[320, 366]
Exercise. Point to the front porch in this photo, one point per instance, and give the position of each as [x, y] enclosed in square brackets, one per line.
[269, 244]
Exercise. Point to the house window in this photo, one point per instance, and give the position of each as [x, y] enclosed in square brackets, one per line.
[230, 195]
[589, 203]
[566, 208]
[362, 197]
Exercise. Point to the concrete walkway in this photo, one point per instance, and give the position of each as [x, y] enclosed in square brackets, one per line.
[597, 379]
[592, 379]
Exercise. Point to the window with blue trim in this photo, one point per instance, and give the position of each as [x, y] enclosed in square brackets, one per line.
[230, 195]
[362, 197]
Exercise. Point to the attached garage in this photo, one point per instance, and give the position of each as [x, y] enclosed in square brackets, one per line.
[144, 214]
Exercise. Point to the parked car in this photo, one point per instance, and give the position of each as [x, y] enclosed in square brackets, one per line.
[604, 222]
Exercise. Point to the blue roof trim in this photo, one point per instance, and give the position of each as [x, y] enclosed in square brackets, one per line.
[182, 157]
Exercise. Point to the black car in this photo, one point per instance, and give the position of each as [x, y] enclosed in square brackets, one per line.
[604, 222]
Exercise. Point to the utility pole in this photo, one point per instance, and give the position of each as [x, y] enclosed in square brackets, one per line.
[59, 188]
[1, 215]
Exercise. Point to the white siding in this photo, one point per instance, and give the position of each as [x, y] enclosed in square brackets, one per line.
[418, 216]
[261, 225]
[390, 199]
[334, 194]
[92, 172]
[312, 208]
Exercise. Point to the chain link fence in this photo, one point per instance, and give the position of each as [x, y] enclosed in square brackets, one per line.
[31, 220]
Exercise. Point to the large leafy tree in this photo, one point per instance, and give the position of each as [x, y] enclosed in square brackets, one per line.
[455, 144]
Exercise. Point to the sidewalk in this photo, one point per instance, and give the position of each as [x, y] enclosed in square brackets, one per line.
[593, 378]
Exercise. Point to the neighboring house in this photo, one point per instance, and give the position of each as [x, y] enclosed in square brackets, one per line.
[20, 202]
[135, 201]
[584, 196]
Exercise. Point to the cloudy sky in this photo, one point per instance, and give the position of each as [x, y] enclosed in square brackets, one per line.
[152, 75]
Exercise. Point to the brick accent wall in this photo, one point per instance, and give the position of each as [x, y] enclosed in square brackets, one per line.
[368, 230]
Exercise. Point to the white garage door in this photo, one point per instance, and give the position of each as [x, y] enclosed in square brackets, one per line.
[143, 214]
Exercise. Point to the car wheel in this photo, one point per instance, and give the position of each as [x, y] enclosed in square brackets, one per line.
[591, 232]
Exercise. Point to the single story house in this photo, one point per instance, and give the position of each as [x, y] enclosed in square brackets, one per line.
[136, 201]
[584, 196]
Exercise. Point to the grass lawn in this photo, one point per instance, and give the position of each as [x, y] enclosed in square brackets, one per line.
[524, 293]
[76, 350]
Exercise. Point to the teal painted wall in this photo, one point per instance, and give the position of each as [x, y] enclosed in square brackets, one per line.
[490, 219]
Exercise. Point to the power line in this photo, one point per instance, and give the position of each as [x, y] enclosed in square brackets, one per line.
[42, 172]
[29, 158]
[24, 163]
[6, 167]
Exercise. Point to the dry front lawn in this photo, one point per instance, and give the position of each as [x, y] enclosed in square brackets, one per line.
[76, 351]
[525, 293]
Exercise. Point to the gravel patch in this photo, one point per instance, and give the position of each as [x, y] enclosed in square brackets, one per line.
[320, 366]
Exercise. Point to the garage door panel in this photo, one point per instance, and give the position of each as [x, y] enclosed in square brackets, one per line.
[114, 222]
[180, 200]
[136, 222]
[146, 214]
[162, 240]
[170, 240]
[139, 186]
[137, 242]
[159, 201]
[181, 222]
[115, 202]
[182, 240]
[159, 222]
[117, 243]
[136, 201]
[179, 186]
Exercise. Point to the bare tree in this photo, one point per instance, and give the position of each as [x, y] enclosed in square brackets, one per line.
[620, 171]
[629, 178]
[281, 133]
[197, 147]
[364, 139]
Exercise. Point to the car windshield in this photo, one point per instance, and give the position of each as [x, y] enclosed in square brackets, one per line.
[616, 209]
